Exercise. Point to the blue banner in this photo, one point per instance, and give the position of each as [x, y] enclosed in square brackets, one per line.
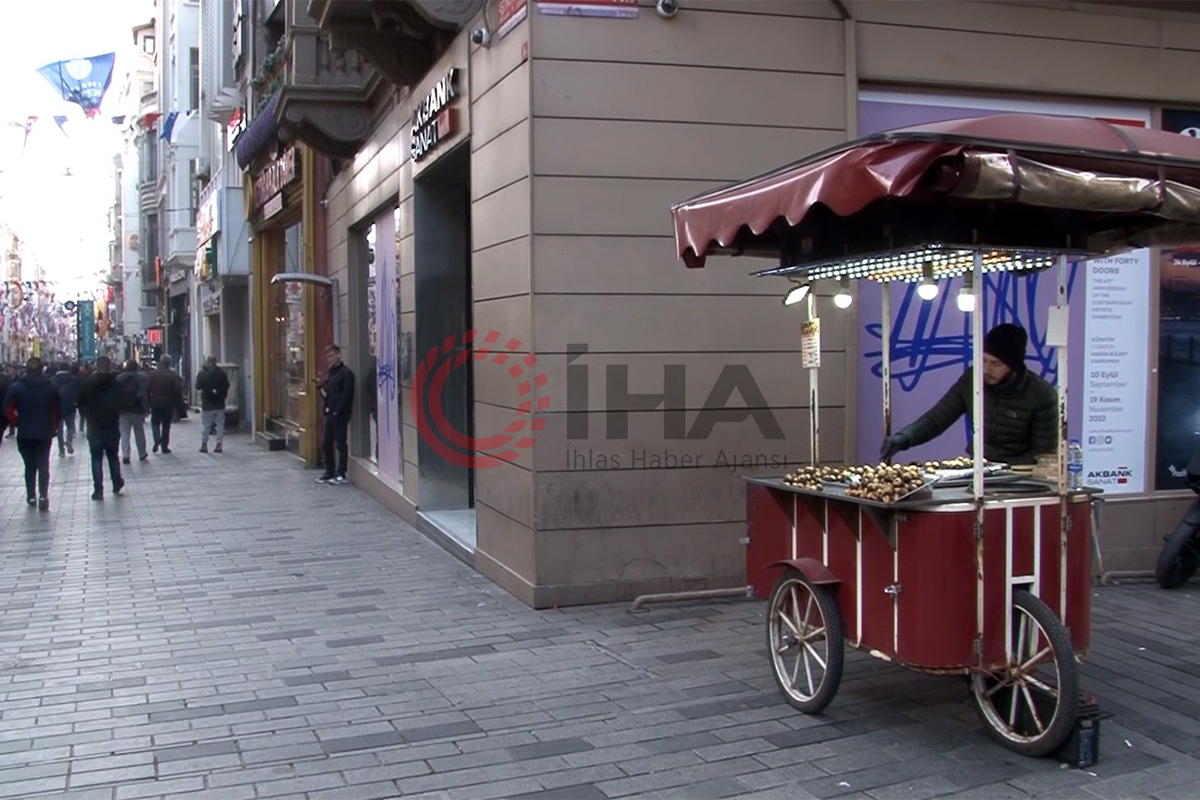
[85, 314]
[82, 81]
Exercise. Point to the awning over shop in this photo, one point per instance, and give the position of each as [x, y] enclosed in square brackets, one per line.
[258, 135]
[1068, 184]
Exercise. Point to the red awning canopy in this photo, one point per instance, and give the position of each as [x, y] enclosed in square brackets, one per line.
[1007, 181]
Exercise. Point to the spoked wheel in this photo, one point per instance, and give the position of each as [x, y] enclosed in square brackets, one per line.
[804, 635]
[1030, 705]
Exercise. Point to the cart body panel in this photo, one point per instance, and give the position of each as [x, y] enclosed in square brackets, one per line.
[910, 583]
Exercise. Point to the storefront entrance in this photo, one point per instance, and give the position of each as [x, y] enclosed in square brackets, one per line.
[442, 221]
[287, 355]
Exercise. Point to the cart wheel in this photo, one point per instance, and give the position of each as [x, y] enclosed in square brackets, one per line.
[804, 635]
[1030, 705]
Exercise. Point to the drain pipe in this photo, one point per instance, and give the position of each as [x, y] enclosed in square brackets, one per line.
[668, 597]
[1125, 574]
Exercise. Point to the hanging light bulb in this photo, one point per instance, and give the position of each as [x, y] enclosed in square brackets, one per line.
[966, 295]
[797, 294]
[843, 299]
[928, 289]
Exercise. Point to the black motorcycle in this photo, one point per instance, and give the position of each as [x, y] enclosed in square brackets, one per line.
[1180, 556]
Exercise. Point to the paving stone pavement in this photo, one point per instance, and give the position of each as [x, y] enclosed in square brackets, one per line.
[231, 630]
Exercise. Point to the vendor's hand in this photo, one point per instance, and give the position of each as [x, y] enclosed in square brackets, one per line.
[892, 445]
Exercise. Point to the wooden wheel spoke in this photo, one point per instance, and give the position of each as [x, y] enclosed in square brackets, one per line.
[791, 626]
[808, 672]
[1037, 718]
[814, 634]
[1028, 666]
[1045, 687]
[808, 648]
[1003, 683]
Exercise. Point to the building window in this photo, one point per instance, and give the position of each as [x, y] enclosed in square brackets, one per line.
[194, 59]
[148, 45]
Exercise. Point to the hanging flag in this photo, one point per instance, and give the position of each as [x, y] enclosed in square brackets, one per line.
[150, 118]
[28, 128]
[82, 81]
[119, 119]
[168, 124]
[61, 120]
[181, 123]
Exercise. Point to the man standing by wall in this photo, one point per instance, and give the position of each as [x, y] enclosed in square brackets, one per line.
[338, 391]
[166, 395]
[100, 402]
[213, 385]
[67, 382]
[135, 403]
[31, 405]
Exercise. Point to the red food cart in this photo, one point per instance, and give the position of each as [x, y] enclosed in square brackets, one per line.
[990, 576]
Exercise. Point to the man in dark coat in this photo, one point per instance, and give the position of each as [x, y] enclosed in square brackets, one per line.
[166, 395]
[1020, 410]
[68, 383]
[31, 404]
[135, 404]
[213, 385]
[338, 391]
[100, 401]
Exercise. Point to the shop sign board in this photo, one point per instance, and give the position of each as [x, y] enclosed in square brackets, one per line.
[154, 335]
[86, 331]
[512, 13]
[272, 206]
[208, 214]
[612, 9]
[1115, 372]
[433, 120]
[276, 176]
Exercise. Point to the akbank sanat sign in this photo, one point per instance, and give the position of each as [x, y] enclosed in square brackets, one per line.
[276, 176]
[433, 119]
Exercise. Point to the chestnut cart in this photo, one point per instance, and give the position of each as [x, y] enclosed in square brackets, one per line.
[987, 576]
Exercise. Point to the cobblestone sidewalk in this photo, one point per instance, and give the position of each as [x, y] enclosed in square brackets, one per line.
[231, 630]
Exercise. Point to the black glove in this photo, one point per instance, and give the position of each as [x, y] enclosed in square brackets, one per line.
[892, 445]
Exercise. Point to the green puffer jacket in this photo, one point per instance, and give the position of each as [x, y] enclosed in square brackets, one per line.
[1020, 418]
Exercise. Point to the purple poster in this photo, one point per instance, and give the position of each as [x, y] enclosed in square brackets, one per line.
[385, 346]
[930, 340]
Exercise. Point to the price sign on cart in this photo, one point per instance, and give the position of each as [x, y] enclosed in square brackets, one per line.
[810, 343]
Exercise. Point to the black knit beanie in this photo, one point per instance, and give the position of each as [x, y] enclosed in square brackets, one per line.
[1007, 342]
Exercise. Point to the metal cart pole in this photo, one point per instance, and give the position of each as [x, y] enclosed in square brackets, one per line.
[1062, 308]
[977, 440]
[885, 334]
[813, 392]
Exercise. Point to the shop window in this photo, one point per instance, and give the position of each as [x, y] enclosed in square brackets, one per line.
[371, 383]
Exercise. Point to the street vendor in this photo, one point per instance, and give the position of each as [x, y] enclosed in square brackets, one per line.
[1020, 409]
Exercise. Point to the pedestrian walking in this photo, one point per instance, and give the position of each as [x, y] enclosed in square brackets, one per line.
[5, 382]
[68, 383]
[213, 384]
[338, 391]
[100, 401]
[32, 406]
[135, 403]
[166, 395]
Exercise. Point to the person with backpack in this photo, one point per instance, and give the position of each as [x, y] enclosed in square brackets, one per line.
[213, 384]
[135, 404]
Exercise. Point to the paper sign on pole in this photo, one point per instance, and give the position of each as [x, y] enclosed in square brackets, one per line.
[810, 343]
